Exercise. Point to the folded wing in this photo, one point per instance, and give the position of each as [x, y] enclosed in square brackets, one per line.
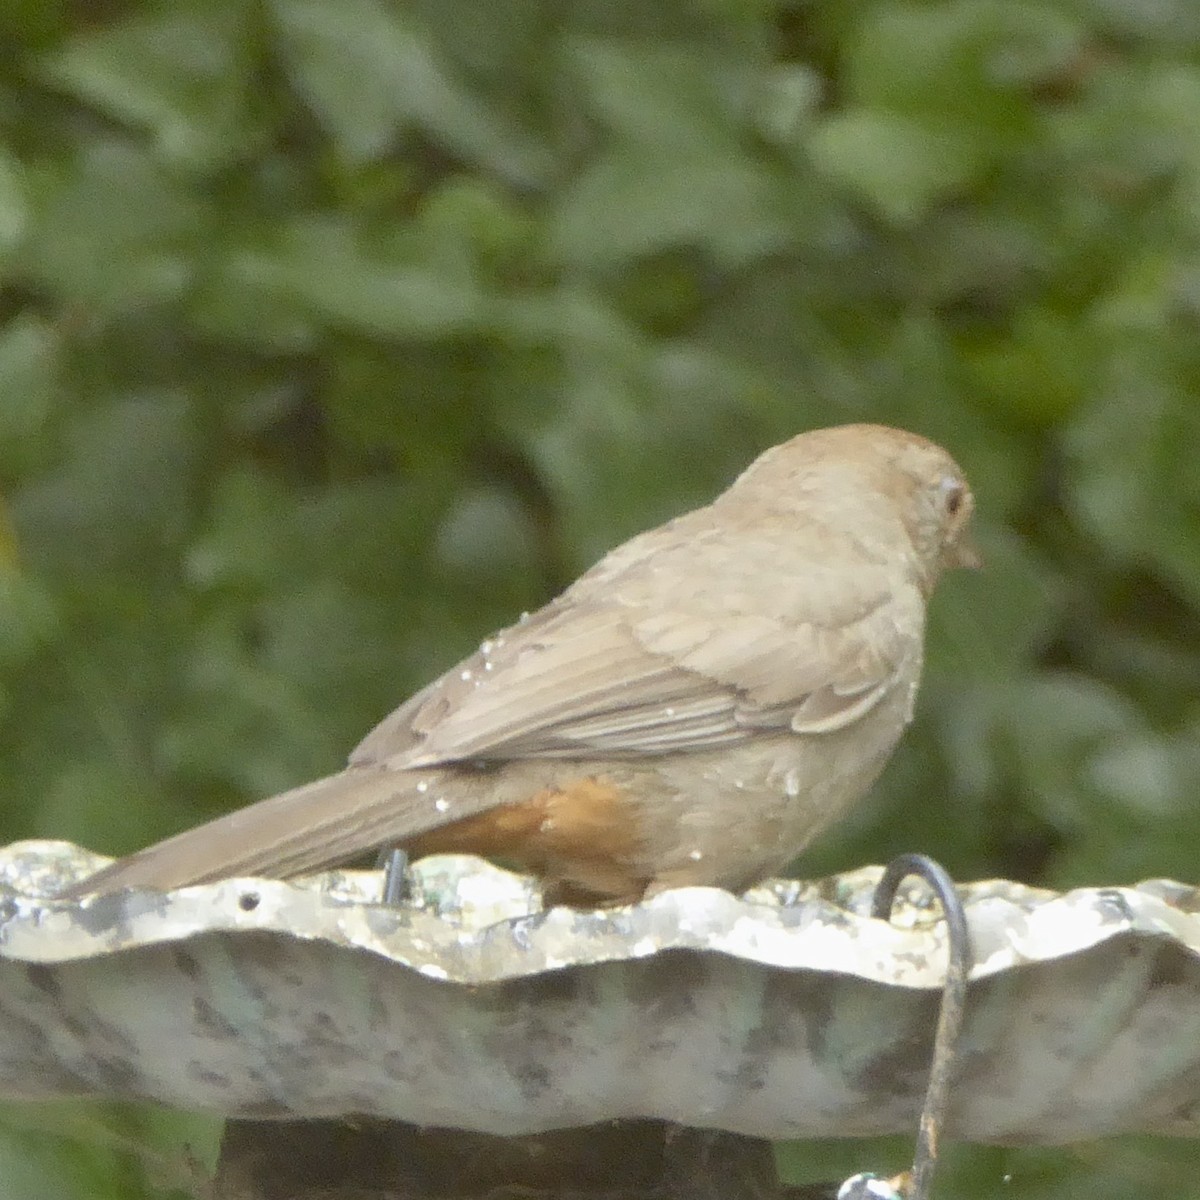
[630, 679]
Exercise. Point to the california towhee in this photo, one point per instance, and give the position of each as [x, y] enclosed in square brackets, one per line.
[692, 710]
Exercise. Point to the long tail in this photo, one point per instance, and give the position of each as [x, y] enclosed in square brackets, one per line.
[317, 825]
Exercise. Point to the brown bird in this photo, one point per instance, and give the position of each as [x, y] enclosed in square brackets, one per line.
[692, 710]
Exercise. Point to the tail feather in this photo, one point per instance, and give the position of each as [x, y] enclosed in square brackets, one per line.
[314, 826]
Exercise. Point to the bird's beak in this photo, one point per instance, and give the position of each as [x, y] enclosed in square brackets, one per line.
[964, 553]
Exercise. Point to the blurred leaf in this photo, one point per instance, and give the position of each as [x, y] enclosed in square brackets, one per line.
[789, 102]
[1141, 122]
[182, 74]
[243, 730]
[935, 96]
[241, 299]
[367, 72]
[122, 496]
[1131, 475]
[96, 804]
[1174, 23]
[990, 624]
[961, 64]
[576, 320]
[110, 1142]
[1139, 771]
[14, 210]
[1080, 756]
[321, 269]
[29, 616]
[486, 536]
[1041, 370]
[722, 202]
[670, 97]
[465, 221]
[114, 231]
[31, 22]
[639, 444]
[37, 1167]
[249, 525]
[979, 256]
[8, 542]
[30, 360]
[893, 164]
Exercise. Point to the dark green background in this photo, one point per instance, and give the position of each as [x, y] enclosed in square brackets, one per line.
[333, 333]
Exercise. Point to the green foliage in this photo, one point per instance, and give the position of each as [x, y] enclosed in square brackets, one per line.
[333, 335]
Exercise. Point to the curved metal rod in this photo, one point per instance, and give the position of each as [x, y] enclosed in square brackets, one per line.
[394, 865]
[950, 1016]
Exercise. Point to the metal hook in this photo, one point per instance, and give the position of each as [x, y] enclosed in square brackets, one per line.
[394, 864]
[950, 1015]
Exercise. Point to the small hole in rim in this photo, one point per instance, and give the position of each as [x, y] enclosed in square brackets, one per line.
[248, 901]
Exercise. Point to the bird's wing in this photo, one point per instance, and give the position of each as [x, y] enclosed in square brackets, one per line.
[577, 680]
[625, 678]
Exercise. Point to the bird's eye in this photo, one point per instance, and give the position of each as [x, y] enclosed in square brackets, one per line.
[953, 494]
